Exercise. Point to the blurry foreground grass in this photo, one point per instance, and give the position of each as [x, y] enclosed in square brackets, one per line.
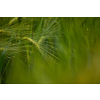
[49, 50]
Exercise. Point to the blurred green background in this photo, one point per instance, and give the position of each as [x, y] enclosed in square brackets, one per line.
[49, 50]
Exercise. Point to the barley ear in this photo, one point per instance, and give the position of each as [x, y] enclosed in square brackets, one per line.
[32, 41]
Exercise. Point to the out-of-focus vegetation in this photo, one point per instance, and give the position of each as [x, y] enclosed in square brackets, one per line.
[49, 50]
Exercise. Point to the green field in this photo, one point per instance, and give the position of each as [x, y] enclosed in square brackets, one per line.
[49, 50]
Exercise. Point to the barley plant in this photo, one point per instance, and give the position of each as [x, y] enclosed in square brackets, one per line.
[49, 50]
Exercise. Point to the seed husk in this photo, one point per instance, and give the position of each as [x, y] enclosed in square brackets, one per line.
[41, 39]
[1, 31]
[1, 49]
